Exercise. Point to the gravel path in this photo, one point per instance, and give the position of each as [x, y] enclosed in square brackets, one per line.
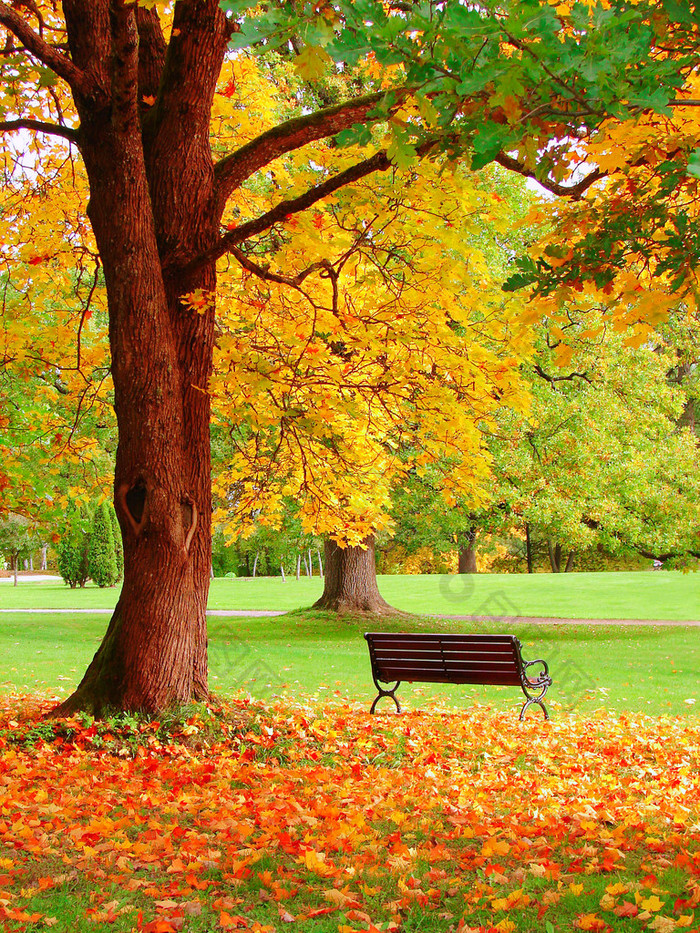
[543, 620]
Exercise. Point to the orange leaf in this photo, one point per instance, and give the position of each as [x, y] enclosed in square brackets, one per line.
[227, 922]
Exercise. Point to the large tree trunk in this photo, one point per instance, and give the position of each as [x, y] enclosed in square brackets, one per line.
[466, 558]
[160, 186]
[350, 582]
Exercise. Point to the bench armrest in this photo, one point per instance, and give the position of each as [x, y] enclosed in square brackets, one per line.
[543, 675]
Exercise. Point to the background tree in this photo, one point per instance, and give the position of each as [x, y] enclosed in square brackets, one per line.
[73, 547]
[18, 538]
[600, 460]
[103, 564]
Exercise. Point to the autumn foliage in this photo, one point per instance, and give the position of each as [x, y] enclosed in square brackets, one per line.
[268, 817]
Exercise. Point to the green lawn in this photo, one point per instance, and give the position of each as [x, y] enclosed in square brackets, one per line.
[649, 669]
[642, 595]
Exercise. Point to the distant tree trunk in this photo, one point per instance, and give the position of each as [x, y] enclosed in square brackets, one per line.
[554, 556]
[350, 583]
[15, 564]
[528, 547]
[320, 563]
[44, 559]
[298, 566]
[466, 560]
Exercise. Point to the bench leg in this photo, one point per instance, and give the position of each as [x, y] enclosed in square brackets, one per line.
[386, 693]
[528, 703]
[530, 699]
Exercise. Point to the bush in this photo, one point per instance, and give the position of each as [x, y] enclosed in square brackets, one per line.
[103, 565]
[73, 550]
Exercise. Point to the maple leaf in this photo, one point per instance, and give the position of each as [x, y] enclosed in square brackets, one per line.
[590, 922]
[228, 922]
[626, 909]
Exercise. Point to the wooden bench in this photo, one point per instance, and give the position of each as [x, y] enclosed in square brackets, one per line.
[454, 659]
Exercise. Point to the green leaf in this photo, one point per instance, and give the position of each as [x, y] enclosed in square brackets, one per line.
[488, 142]
[359, 134]
[694, 163]
[652, 100]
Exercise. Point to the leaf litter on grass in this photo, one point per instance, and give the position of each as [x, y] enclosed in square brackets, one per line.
[282, 815]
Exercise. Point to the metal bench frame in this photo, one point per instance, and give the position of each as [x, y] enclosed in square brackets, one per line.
[435, 658]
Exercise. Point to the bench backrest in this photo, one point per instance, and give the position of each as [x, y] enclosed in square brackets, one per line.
[445, 658]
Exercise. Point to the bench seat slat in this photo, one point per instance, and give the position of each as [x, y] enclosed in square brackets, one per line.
[421, 675]
[478, 654]
[466, 664]
[380, 641]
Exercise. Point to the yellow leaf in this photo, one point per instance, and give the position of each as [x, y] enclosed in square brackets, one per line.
[652, 903]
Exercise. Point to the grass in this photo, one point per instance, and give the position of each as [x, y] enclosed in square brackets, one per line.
[672, 596]
[643, 668]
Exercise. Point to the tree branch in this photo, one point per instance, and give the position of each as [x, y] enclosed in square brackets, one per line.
[125, 69]
[189, 71]
[53, 129]
[377, 163]
[152, 51]
[60, 64]
[262, 273]
[233, 169]
[554, 379]
[571, 191]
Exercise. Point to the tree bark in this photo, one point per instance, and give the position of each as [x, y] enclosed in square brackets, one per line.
[350, 582]
[466, 559]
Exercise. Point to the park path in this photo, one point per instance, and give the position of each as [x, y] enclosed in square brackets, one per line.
[521, 620]
[549, 620]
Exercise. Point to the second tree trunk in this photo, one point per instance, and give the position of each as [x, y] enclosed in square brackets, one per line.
[350, 583]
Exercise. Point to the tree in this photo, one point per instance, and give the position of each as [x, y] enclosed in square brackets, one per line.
[350, 583]
[600, 459]
[103, 564]
[131, 88]
[388, 356]
[17, 539]
[74, 547]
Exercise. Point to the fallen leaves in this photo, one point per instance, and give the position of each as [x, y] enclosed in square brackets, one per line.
[261, 818]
